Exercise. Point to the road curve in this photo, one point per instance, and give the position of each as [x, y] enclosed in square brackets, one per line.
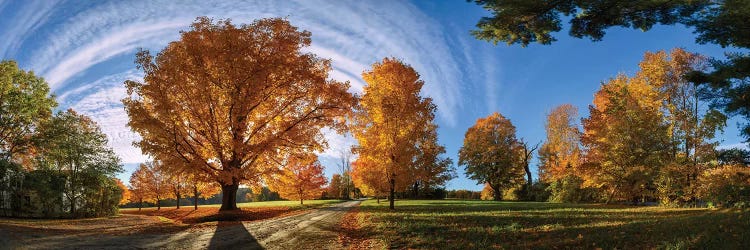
[312, 229]
[316, 229]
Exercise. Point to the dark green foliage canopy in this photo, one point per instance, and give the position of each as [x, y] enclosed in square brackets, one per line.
[734, 156]
[722, 22]
[523, 22]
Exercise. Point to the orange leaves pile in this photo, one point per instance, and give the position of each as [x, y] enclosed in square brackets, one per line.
[206, 214]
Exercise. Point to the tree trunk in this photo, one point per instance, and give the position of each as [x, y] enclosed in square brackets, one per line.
[229, 197]
[528, 185]
[300, 197]
[416, 189]
[178, 199]
[497, 195]
[392, 196]
[101, 201]
[158, 203]
[612, 195]
[140, 204]
[195, 197]
[72, 206]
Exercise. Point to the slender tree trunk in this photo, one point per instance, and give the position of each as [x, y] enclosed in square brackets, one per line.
[416, 189]
[229, 197]
[101, 203]
[62, 205]
[140, 204]
[72, 206]
[178, 199]
[529, 184]
[612, 195]
[392, 196]
[195, 197]
[300, 197]
[158, 204]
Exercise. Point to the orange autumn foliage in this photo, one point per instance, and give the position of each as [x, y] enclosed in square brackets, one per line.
[149, 182]
[224, 100]
[369, 179]
[490, 154]
[390, 124]
[560, 154]
[301, 179]
[125, 192]
[487, 193]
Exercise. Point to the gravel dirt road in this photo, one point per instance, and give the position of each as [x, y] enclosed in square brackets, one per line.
[313, 229]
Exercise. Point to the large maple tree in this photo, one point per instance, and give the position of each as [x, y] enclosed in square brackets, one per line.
[226, 99]
[491, 155]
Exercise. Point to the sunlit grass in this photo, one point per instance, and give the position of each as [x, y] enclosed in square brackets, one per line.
[290, 204]
[456, 224]
[249, 211]
[293, 204]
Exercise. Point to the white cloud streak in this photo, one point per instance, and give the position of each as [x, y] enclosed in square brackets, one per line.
[100, 100]
[91, 44]
[26, 20]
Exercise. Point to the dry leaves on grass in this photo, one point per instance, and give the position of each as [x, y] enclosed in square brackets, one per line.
[354, 232]
[206, 214]
[115, 225]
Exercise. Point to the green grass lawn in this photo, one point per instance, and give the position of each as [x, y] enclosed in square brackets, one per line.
[458, 224]
[290, 204]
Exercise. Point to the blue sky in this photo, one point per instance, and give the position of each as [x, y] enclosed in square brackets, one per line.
[85, 50]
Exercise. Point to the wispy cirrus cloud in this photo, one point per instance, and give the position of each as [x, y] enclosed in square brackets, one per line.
[126, 40]
[101, 100]
[86, 55]
[27, 19]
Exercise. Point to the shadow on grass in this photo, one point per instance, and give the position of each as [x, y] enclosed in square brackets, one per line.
[481, 225]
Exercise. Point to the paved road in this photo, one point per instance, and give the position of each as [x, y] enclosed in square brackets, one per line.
[313, 229]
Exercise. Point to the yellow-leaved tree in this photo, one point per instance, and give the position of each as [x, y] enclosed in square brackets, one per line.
[125, 191]
[369, 179]
[560, 154]
[390, 121]
[301, 178]
[626, 138]
[692, 124]
[201, 187]
[138, 190]
[226, 99]
[152, 179]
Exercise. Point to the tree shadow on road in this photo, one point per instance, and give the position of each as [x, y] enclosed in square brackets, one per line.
[233, 235]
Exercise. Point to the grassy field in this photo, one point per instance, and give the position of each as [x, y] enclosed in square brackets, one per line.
[290, 204]
[456, 224]
[249, 211]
